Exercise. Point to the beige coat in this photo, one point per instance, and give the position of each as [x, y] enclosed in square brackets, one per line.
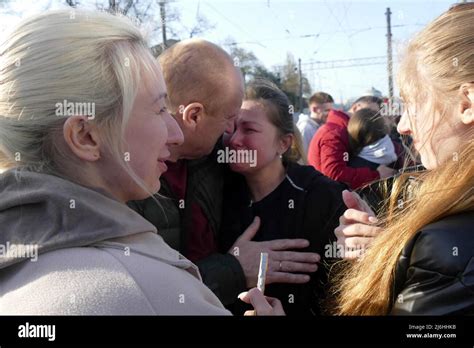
[121, 268]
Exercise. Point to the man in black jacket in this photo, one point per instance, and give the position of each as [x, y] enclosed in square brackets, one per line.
[205, 94]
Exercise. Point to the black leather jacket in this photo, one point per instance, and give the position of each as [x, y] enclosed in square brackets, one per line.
[435, 272]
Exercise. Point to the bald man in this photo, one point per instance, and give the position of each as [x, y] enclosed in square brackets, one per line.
[205, 94]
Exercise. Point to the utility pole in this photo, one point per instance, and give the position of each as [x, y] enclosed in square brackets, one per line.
[389, 56]
[301, 85]
[163, 22]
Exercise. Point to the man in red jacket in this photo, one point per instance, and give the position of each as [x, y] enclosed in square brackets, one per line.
[329, 149]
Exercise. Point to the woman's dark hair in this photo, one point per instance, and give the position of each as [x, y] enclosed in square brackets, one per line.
[279, 112]
[366, 126]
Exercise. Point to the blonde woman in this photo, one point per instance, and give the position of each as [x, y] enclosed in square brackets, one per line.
[422, 259]
[84, 129]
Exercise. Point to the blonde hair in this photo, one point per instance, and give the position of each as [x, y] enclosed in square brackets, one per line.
[366, 287]
[278, 109]
[72, 55]
[192, 63]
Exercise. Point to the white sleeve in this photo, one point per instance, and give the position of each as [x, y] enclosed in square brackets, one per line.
[91, 281]
[306, 134]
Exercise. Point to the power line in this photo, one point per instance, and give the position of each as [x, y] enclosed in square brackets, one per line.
[355, 63]
[233, 23]
[277, 17]
[306, 36]
[343, 63]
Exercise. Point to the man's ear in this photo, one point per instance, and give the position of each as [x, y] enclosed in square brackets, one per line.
[82, 137]
[285, 142]
[357, 107]
[192, 115]
[352, 109]
[467, 103]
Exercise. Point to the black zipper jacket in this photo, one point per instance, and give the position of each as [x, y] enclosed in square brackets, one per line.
[435, 271]
[305, 205]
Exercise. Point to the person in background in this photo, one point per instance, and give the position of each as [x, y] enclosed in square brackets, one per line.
[320, 104]
[391, 112]
[329, 148]
[369, 142]
[291, 200]
[417, 257]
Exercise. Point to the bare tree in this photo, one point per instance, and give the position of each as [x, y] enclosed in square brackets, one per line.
[150, 13]
[249, 64]
[244, 59]
[200, 26]
[290, 76]
[290, 80]
[6, 9]
[72, 3]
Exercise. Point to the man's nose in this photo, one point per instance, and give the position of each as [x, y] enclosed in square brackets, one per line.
[230, 127]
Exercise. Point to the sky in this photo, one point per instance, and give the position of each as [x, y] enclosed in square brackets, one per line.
[312, 30]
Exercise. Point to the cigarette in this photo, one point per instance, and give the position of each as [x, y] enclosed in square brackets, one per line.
[262, 272]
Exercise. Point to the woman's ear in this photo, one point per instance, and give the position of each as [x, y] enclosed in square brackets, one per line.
[192, 115]
[285, 142]
[467, 103]
[82, 137]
